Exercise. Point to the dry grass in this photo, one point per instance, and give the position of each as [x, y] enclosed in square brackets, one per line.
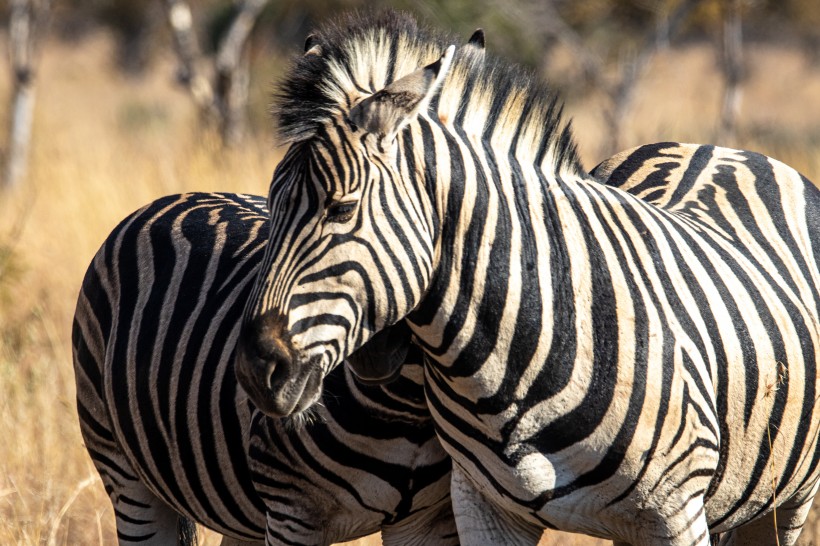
[104, 146]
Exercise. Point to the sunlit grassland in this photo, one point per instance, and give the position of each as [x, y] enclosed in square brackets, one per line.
[105, 145]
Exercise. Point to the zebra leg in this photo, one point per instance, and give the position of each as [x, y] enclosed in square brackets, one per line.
[144, 519]
[481, 523]
[791, 515]
[428, 527]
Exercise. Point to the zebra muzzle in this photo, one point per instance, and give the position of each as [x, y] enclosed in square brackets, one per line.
[275, 380]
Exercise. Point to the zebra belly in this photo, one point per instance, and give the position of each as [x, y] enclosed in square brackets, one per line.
[679, 451]
[539, 488]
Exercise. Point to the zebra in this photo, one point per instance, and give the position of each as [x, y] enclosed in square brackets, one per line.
[175, 440]
[663, 173]
[595, 362]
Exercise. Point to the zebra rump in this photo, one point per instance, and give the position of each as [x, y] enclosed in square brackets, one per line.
[175, 441]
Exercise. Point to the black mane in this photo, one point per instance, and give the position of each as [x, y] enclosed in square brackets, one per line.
[314, 89]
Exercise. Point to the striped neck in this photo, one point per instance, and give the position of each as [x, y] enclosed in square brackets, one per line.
[501, 259]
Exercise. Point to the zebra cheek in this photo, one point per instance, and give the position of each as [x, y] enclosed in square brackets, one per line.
[380, 359]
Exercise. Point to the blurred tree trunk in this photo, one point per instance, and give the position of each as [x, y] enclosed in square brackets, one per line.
[27, 21]
[223, 102]
[187, 50]
[622, 93]
[545, 16]
[232, 72]
[134, 22]
[733, 71]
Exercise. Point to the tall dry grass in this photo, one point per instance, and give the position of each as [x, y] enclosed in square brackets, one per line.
[104, 145]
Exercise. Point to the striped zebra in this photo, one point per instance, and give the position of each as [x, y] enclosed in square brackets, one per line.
[597, 363]
[175, 441]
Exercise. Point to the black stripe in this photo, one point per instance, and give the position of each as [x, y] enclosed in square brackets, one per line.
[697, 164]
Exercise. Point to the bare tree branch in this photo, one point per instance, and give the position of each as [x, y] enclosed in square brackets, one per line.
[543, 17]
[623, 93]
[225, 100]
[732, 68]
[187, 50]
[552, 24]
[232, 44]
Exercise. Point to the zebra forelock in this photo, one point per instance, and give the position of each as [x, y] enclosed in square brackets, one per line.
[484, 96]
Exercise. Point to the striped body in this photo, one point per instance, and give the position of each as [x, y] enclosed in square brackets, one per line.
[172, 434]
[670, 378]
[715, 188]
[642, 370]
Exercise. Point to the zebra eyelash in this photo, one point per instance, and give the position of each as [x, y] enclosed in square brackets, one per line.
[341, 211]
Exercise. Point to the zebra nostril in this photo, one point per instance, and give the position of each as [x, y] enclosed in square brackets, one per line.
[255, 368]
[264, 346]
[264, 350]
[270, 352]
[266, 337]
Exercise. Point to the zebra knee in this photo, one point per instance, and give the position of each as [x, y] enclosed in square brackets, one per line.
[480, 522]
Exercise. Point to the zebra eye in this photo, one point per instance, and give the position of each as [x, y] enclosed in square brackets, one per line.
[340, 211]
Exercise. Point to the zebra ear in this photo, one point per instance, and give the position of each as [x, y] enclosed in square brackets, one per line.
[477, 39]
[474, 48]
[386, 112]
[311, 45]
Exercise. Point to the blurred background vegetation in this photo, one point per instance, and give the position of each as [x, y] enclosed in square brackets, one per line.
[119, 119]
[599, 49]
[594, 47]
[516, 27]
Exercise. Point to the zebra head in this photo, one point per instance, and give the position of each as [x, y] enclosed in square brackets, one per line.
[352, 238]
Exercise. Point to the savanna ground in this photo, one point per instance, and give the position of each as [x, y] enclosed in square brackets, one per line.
[104, 145]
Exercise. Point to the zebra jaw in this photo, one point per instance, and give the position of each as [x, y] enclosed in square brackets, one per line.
[379, 360]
